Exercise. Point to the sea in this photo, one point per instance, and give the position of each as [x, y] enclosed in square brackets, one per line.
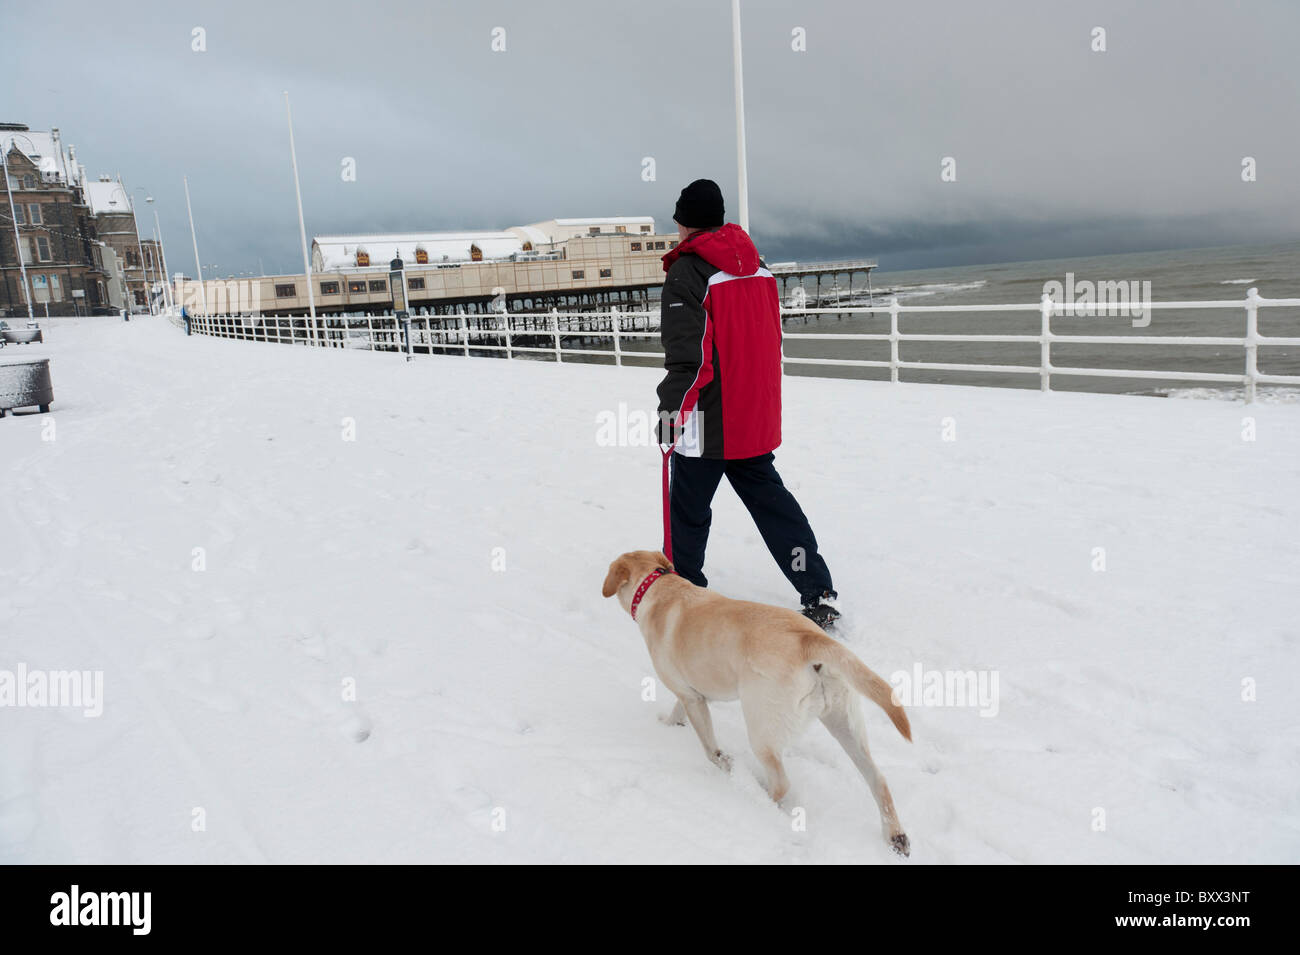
[1208, 274]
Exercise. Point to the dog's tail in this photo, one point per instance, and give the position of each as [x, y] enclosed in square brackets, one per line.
[844, 663]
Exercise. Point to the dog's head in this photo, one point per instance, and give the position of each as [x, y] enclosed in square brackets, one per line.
[630, 569]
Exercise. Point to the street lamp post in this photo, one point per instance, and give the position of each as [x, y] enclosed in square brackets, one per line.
[203, 294]
[139, 248]
[154, 256]
[18, 248]
[169, 300]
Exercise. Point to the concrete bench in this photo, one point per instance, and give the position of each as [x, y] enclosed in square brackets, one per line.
[25, 382]
[21, 336]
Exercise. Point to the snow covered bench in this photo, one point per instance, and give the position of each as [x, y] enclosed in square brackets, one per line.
[21, 336]
[25, 382]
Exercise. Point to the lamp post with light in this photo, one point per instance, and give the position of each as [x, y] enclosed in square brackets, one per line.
[139, 248]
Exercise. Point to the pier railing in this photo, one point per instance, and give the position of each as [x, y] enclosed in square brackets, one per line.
[629, 335]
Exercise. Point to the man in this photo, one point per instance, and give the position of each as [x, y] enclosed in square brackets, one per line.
[720, 401]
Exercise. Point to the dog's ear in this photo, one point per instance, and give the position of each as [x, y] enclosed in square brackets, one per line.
[618, 575]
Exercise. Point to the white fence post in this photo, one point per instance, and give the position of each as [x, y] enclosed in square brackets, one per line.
[893, 339]
[1252, 342]
[464, 330]
[505, 321]
[1045, 344]
[614, 327]
[555, 325]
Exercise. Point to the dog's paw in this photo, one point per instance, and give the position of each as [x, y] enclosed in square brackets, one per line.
[722, 761]
[900, 844]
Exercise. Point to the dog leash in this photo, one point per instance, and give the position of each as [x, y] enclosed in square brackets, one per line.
[668, 524]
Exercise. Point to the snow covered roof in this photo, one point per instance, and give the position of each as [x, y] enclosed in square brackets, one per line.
[557, 230]
[331, 252]
[530, 234]
[607, 220]
[106, 198]
[46, 152]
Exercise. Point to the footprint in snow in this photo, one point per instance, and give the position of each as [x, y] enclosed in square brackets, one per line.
[355, 725]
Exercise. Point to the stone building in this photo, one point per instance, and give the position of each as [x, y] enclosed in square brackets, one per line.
[115, 224]
[47, 224]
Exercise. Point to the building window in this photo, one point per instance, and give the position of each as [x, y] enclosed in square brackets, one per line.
[421, 257]
[672, 245]
[659, 245]
[415, 284]
[378, 285]
[20, 214]
[357, 286]
[528, 247]
[645, 228]
[475, 254]
[56, 289]
[636, 246]
[29, 182]
[329, 288]
[578, 273]
[42, 248]
[286, 291]
[131, 262]
[25, 248]
[606, 273]
[363, 258]
[34, 213]
[620, 228]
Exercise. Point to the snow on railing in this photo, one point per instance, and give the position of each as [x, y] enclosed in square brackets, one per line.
[544, 334]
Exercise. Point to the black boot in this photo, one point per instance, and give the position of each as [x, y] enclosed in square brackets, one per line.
[822, 609]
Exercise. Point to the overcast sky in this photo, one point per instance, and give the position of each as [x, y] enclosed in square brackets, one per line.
[1059, 150]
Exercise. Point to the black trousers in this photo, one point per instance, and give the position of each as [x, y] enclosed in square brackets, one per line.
[780, 520]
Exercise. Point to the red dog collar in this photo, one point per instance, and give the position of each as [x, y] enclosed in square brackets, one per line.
[645, 585]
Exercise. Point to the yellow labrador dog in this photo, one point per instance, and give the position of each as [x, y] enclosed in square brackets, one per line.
[784, 670]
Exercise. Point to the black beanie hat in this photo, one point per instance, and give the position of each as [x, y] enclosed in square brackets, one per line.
[700, 205]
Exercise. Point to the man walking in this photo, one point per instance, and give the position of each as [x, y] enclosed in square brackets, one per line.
[720, 401]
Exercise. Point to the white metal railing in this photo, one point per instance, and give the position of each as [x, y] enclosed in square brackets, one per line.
[532, 333]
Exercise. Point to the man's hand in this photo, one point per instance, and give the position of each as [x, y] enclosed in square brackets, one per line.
[669, 428]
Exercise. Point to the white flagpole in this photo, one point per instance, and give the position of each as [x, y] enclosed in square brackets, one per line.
[302, 228]
[742, 173]
[203, 294]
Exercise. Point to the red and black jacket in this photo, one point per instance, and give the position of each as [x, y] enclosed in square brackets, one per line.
[720, 324]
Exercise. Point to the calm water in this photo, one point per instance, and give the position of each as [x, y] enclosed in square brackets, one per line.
[1215, 274]
[1218, 274]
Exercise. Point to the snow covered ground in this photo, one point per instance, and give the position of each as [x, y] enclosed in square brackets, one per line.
[499, 712]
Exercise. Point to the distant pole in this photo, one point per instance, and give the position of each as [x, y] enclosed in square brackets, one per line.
[139, 246]
[302, 228]
[203, 294]
[742, 173]
[168, 298]
[18, 251]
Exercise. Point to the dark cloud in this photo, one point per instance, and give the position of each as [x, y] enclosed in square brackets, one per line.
[1059, 150]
